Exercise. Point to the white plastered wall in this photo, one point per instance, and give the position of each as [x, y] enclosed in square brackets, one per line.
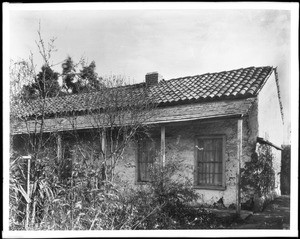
[270, 123]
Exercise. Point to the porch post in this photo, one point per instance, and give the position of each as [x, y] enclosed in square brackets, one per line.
[239, 157]
[103, 142]
[163, 144]
[59, 153]
[103, 148]
[59, 148]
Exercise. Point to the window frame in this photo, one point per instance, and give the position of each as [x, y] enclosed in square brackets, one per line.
[212, 187]
[137, 164]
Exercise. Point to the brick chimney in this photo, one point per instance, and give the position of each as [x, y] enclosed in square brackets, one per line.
[152, 78]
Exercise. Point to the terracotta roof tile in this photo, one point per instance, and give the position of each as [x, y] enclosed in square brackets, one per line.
[242, 92]
[213, 86]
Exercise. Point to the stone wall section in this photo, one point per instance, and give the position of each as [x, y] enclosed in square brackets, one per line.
[180, 144]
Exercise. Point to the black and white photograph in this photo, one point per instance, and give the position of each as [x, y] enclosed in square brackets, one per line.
[150, 119]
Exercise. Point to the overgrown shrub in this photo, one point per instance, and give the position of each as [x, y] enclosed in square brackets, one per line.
[258, 178]
[165, 202]
[17, 202]
[44, 184]
[84, 201]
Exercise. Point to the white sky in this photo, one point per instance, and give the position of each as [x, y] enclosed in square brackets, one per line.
[178, 42]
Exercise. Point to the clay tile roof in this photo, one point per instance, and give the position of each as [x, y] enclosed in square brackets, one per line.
[244, 82]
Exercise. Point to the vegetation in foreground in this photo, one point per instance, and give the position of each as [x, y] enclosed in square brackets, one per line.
[78, 203]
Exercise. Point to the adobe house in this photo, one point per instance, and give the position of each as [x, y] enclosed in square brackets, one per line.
[213, 122]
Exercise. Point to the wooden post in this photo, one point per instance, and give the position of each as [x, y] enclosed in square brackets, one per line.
[59, 148]
[28, 189]
[239, 157]
[103, 142]
[163, 145]
[103, 148]
[59, 154]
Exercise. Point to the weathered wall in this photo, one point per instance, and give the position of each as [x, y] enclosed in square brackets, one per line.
[250, 133]
[269, 114]
[180, 143]
[270, 124]
[126, 168]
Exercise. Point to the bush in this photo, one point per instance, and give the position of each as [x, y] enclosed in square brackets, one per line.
[164, 203]
[17, 202]
[83, 201]
[258, 178]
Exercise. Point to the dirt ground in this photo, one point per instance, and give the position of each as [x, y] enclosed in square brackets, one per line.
[275, 216]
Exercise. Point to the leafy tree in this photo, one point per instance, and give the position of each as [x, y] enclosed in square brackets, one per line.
[89, 80]
[45, 85]
[68, 73]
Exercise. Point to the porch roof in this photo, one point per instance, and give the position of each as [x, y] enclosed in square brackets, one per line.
[176, 113]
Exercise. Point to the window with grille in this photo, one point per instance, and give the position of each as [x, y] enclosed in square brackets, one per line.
[145, 159]
[209, 161]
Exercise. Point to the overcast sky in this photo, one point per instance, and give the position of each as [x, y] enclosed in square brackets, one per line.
[179, 42]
